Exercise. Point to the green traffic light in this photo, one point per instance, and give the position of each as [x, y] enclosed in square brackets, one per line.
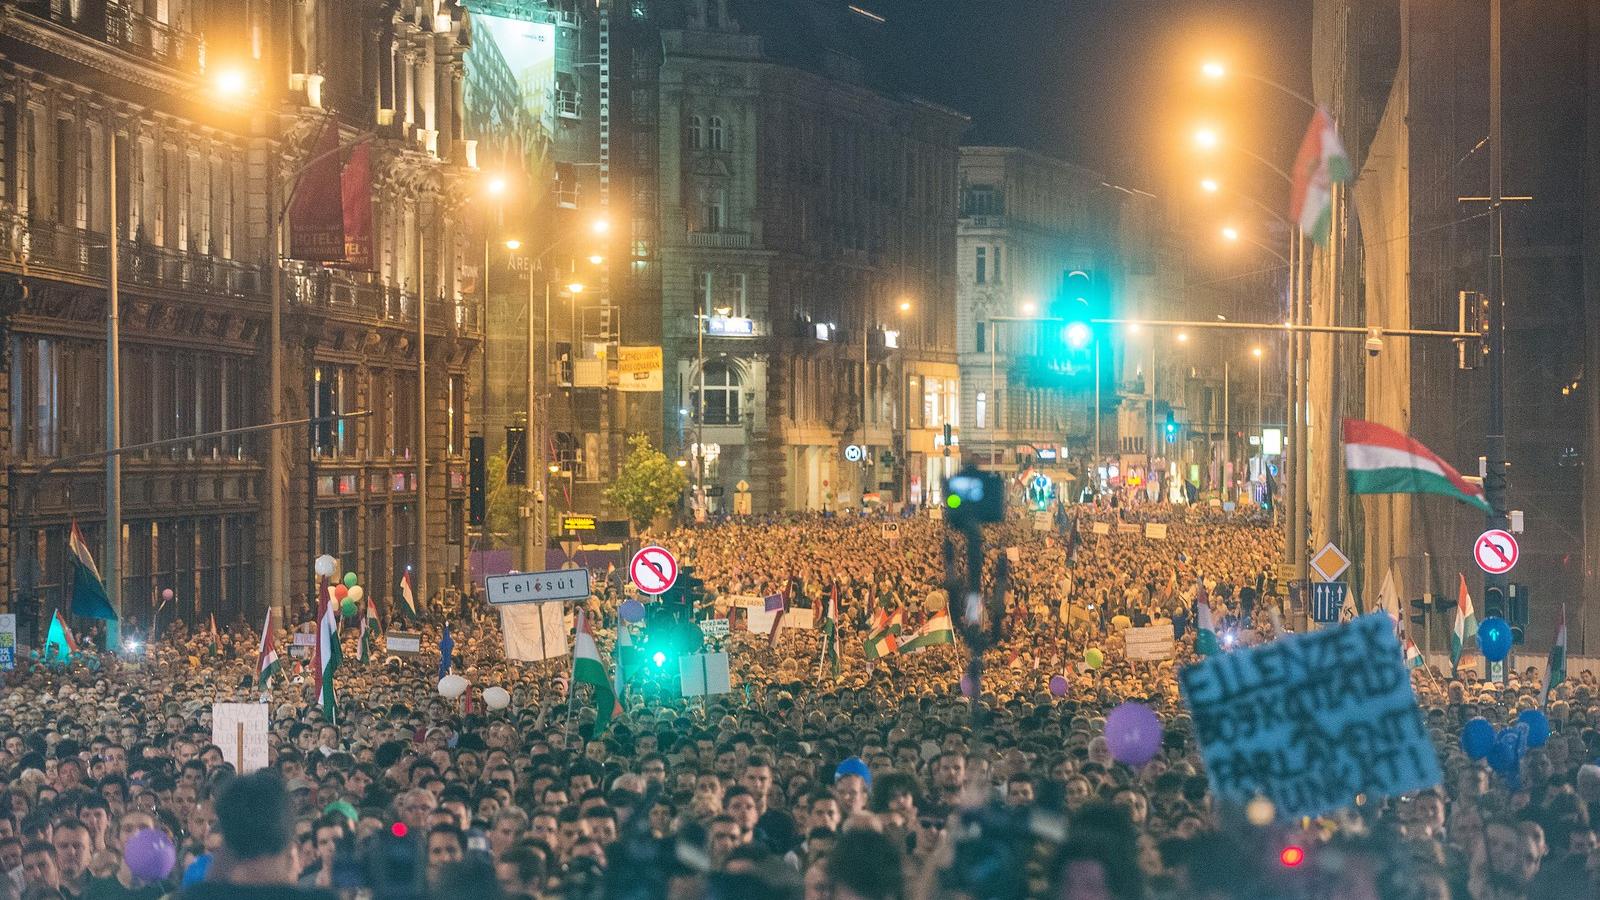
[659, 658]
[1077, 335]
[953, 501]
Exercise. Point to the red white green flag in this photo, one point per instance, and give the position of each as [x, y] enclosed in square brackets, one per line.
[1380, 460]
[267, 654]
[588, 669]
[1320, 165]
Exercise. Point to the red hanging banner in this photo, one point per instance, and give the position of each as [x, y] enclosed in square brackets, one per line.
[357, 194]
[316, 215]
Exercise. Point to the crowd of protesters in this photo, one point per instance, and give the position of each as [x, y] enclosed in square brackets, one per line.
[892, 781]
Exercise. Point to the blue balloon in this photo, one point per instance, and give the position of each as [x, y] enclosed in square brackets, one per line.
[1477, 737]
[1538, 726]
[1494, 638]
[1504, 756]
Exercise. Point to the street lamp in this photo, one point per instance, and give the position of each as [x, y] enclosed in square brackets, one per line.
[1230, 234]
[495, 187]
[596, 259]
[1207, 138]
[231, 83]
[513, 244]
[1210, 185]
[601, 226]
[1215, 70]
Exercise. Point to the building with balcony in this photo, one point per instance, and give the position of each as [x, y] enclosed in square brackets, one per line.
[793, 228]
[204, 121]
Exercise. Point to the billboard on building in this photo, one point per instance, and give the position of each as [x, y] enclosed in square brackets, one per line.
[510, 89]
[639, 369]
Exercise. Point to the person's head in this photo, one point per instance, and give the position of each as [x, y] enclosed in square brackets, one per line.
[257, 828]
[722, 835]
[73, 846]
[1513, 855]
[131, 823]
[446, 844]
[851, 792]
[757, 779]
[824, 813]
[1019, 789]
[330, 831]
[739, 803]
[865, 865]
[39, 868]
[950, 772]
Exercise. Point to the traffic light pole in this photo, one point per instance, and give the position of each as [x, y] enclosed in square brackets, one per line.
[1494, 474]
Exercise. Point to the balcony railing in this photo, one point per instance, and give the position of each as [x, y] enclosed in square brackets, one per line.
[128, 30]
[728, 240]
[567, 104]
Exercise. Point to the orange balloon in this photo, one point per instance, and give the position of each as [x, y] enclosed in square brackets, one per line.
[339, 592]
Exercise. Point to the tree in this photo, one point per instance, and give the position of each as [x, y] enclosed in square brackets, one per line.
[502, 501]
[648, 485]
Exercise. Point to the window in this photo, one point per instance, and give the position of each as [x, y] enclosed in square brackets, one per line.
[703, 286]
[697, 133]
[982, 265]
[980, 338]
[714, 134]
[330, 398]
[719, 404]
[567, 97]
[997, 277]
[567, 185]
[456, 428]
[982, 409]
[716, 209]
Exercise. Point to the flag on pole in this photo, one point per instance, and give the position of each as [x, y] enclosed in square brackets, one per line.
[1350, 608]
[447, 646]
[588, 669]
[830, 633]
[883, 638]
[1466, 625]
[88, 588]
[777, 604]
[937, 630]
[266, 654]
[371, 627]
[59, 641]
[1380, 460]
[1555, 670]
[407, 596]
[1205, 631]
[1413, 655]
[624, 655]
[1320, 164]
[216, 638]
[1389, 597]
[328, 652]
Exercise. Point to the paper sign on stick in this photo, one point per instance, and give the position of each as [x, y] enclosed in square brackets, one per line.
[533, 631]
[240, 729]
[1309, 721]
[700, 674]
[758, 620]
[1150, 643]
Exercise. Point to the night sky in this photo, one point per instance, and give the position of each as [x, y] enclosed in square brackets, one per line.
[1106, 83]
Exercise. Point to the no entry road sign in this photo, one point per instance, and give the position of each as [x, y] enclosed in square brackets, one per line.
[653, 570]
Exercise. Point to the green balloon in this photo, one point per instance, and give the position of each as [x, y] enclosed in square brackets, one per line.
[350, 579]
[348, 608]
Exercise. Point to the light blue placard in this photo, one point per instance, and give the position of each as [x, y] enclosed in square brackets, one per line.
[1310, 721]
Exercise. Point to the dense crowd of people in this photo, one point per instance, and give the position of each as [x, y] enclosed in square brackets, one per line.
[889, 781]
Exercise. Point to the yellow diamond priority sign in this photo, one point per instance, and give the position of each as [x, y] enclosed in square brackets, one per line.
[1329, 562]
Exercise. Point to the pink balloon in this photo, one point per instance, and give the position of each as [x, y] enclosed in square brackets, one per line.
[1133, 734]
[166, 593]
[1058, 686]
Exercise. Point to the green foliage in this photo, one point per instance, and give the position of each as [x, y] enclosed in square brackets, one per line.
[648, 485]
[503, 502]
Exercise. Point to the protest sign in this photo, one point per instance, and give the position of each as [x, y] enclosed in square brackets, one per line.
[1128, 528]
[8, 641]
[758, 620]
[800, 617]
[403, 643]
[714, 628]
[1309, 721]
[700, 674]
[240, 730]
[1014, 555]
[1155, 531]
[1150, 643]
[301, 644]
[1102, 528]
[534, 631]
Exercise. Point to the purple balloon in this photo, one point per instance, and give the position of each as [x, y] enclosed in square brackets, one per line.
[1133, 734]
[149, 855]
[1058, 686]
[630, 611]
[966, 685]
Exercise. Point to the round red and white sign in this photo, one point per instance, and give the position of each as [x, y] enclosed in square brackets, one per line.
[653, 570]
[1496, 551]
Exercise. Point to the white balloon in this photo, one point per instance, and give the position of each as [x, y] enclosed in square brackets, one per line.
[496, 697]
[452, 686]
[325, 565]
[356, 593]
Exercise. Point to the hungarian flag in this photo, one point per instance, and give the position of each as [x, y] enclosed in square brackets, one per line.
[266, 654]
[1318, 166]
[406, 595]
[371, 627]
[588, 669]
[59, 641]
[88, 589]
[1380, 460]
[1555, 670]
[883, 638]
[216, 639]
[937, 630]
[1205, 631]
[1389, 598]
[328, 652]
[830, 633]
[1413, 655]
[1466, 623]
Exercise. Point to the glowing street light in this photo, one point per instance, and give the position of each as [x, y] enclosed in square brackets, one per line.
[1210, 185]
[1230, 233]
[513, 244]
[575, 287]
[496, 186]
[1029, 307]
[905, 306]
[1207, 138]
[1256, 352]
[601, 226]
[1213, 70]
[231, 83]
[596, 259]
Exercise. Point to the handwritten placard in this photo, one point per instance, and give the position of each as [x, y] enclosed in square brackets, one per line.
[702, 674]
[1128, 528]
[1102, 528]
[1155, 531]
[240, 729]
[1310, 721]
[1150, 643]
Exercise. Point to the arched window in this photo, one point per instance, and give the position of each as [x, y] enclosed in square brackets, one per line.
[696, 133]
[721, 394]
[714, 133]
